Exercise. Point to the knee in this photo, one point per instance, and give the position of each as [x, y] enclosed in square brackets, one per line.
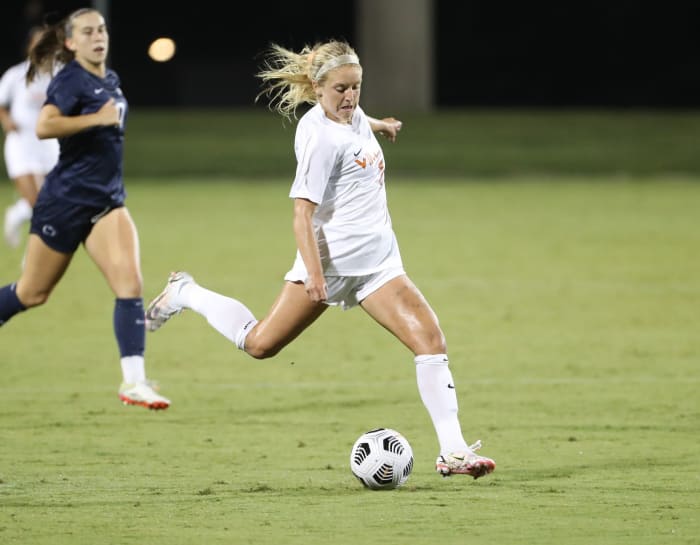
[129, 286]
[33, 298]
[261, 352]
[258, 348]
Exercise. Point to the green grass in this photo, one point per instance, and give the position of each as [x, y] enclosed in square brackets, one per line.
[570, 305]
[489, 143]
[255, 142]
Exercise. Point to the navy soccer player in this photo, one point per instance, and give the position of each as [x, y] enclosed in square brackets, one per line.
[82, 200]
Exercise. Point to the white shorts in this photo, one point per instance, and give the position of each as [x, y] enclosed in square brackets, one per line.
[349, 291]
[26, 154]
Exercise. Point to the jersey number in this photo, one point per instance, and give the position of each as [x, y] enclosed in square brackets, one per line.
[121, 108]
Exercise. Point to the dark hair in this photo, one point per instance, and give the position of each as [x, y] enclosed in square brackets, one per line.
[49, 50]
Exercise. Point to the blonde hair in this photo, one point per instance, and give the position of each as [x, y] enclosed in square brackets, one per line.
[49, 50]
[288, 77]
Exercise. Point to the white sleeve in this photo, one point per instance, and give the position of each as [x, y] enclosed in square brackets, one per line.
[6, 88]
[315, 160]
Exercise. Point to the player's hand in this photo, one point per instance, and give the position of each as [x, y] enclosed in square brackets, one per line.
[108, 114]
[9, 126]
[316, 289]
[390, 128]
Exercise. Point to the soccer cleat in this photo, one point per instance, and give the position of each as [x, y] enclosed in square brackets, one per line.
[161, 309]
[465, 463]
[142, 394]
[13, 233]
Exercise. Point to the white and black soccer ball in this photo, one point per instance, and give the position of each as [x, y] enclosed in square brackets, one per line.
[381, 459]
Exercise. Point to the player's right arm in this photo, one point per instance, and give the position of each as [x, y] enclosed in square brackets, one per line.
[308, 249]
[53, 124]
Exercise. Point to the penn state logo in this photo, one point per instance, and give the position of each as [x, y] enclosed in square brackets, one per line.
[48, 230]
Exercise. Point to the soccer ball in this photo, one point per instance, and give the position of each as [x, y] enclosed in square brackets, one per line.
[381, 459]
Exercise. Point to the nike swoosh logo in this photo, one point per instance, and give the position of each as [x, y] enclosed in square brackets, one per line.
[358, 152]
[98, 91]
[451, 386]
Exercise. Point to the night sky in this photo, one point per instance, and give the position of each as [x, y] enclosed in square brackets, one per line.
[598, 54]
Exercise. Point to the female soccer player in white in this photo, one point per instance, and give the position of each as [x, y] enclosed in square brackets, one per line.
[27, 158]
[347, 253]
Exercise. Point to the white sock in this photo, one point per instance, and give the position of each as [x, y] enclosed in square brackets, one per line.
[228, 316]
[437, 391]
[133, 369]
[21, 211]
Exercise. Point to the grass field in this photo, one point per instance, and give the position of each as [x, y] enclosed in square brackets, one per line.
[570, 305]
[482, 143]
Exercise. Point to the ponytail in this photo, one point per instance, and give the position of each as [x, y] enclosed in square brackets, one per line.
[49, 52]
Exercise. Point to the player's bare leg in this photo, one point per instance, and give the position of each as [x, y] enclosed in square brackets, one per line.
[17, 214]
[401, 308]
[114, 247]
[290, 314]
[43, 268]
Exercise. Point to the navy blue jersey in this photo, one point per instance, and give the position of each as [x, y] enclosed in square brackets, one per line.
[89, 169]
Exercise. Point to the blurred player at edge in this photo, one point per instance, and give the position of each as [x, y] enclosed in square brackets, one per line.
[27, 158]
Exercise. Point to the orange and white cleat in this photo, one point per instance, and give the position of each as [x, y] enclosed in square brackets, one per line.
[465, 463]
[144, 395]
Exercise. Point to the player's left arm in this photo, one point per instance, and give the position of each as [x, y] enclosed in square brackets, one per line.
[387, 126]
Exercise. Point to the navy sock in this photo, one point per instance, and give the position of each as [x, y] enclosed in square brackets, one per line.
[9, 303]
[130, 326]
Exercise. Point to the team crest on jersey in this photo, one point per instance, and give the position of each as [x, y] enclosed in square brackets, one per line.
[370, 159]
[374, 158]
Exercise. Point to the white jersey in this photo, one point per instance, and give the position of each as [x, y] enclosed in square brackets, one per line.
[341, 169]
[24, 152]
[24, 101]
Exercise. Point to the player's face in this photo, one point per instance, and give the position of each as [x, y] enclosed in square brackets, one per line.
[89, 40]
[339, 95]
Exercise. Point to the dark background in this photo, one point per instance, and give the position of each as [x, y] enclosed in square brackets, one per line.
[490, 53]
